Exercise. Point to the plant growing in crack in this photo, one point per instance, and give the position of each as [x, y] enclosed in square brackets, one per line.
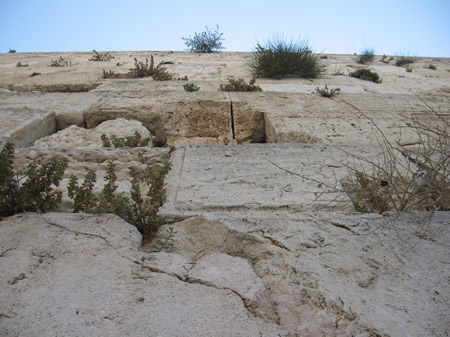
[166, 242]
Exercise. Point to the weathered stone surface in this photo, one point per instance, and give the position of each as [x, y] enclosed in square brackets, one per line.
[258, 176]
[23, 126]
[336, 273]
[76, 137]
[78, 274]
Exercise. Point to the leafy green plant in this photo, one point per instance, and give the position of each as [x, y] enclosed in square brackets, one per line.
[139, 210]
[328, 93]
[190, 87]
[432, 67]
[19, 64]
[240, 85]
[367, 75]
[129, 141]
[34, 74]
[101, 57]
[366, 56]
[277, 58]
[32, 190]
[205, 42]
[61, 62]
[166, 242]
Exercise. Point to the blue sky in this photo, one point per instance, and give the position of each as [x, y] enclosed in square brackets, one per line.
[420, 28]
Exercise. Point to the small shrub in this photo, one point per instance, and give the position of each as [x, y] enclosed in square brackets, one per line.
[386, 60]
[34, 74]
[19, 64]
[366, 56]
[101, 57]
[367, 75]
[109, 74]
[277, 58]
[240, 85]
[432, 67]
[328, 93]
[147, 69]
[409, 70]
[190, 87]
[404, 60]
[12, 51]
[32, 190]
[129, 141]
[61, 62]
[323, 57]
[205, 42]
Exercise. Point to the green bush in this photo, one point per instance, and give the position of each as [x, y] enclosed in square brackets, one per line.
[205, 42]
[190, 87]
[367, 55]
[367, 75]
[135, 210]
[432, 67]
[32, 190]
[147, 69]
[240, 85]
[277, 58]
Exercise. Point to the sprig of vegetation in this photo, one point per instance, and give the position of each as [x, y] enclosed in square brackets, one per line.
[101, 57]
[277, 58]
[147, 69]
[19, 64]
[205, 42]
[61, 62]
[432, 67]
[11, 51]
[129, 141]
[240, 85]
[327, 93]
[166, 242]
[34, 74]
[404, 60]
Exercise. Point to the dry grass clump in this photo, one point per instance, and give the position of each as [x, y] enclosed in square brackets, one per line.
[405, 179]
[101, 57]
[366, 56]
[325, 92]
[61, 62]
[143, 69]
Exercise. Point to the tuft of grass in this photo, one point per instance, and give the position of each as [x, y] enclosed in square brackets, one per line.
[366, 56]
[323, 57]
[19, 64]
[190, 87]
[205, 42]
[240, 85]
[11, 51]
[325, 92]
[147, 69]
[403, 60]
[34, 74]
[277, 58]
[367, 75]
[432, 67]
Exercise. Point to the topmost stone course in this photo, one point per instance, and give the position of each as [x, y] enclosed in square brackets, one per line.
[338, 277]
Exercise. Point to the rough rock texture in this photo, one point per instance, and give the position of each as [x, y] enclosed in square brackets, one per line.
[77, 274]
[334, 273]
[76, 137]
[267, 245]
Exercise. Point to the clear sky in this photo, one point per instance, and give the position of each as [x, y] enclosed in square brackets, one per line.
[420, 28]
